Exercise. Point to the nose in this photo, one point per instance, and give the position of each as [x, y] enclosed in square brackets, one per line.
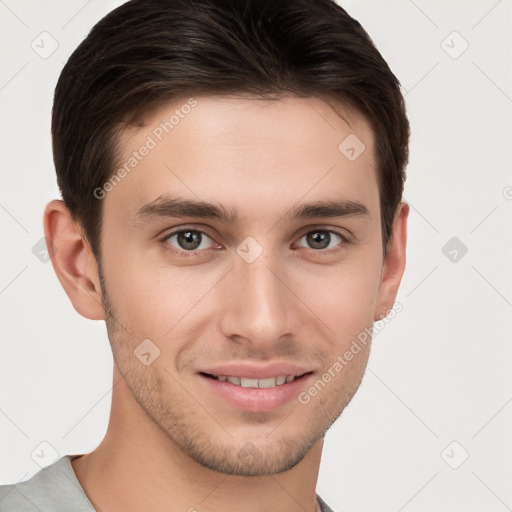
[260, 304]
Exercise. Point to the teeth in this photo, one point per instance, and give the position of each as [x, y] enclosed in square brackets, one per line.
[249, 383]
[257, 383]
[267, 383]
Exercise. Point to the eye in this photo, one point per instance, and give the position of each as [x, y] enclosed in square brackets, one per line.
[189, 240]
[321, 239]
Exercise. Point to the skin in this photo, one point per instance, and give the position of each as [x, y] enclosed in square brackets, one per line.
[170, 444]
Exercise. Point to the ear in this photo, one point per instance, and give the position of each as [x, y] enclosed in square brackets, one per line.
[73, 260]
[394, 263]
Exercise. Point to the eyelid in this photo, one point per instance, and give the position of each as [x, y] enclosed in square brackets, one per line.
[338, 230]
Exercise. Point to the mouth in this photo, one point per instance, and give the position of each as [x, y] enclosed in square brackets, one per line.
[256, 395]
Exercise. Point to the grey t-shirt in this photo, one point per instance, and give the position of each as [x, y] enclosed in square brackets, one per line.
[57, 489]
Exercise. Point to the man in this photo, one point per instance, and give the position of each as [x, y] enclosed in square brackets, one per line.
[231, 174]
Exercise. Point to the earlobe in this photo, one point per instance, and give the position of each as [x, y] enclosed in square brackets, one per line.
[73, 260]
[394, 263]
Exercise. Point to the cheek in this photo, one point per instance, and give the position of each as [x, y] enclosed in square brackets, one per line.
[345, 297]
[153, 298]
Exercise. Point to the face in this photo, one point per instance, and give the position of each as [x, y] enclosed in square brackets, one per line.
[210, 307]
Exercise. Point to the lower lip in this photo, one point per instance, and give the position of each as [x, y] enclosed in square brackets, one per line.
[256, 399]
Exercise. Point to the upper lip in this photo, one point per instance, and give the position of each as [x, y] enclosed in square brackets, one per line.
[254, 371]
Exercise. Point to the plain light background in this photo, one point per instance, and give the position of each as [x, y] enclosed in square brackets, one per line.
[429, 428]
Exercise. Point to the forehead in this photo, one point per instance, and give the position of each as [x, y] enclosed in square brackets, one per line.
[248, 151]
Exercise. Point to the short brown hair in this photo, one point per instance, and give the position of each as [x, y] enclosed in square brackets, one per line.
[147, 52]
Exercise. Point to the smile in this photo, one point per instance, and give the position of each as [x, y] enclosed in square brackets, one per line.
[256, 394]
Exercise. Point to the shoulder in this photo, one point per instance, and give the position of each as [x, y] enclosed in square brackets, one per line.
[13, 500]
[54, 488]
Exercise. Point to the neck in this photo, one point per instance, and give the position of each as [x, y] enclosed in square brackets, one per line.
[138, 467]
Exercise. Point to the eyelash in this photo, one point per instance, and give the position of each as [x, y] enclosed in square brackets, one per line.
[344, 241]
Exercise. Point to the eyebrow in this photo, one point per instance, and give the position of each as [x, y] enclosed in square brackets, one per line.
[166, 206]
